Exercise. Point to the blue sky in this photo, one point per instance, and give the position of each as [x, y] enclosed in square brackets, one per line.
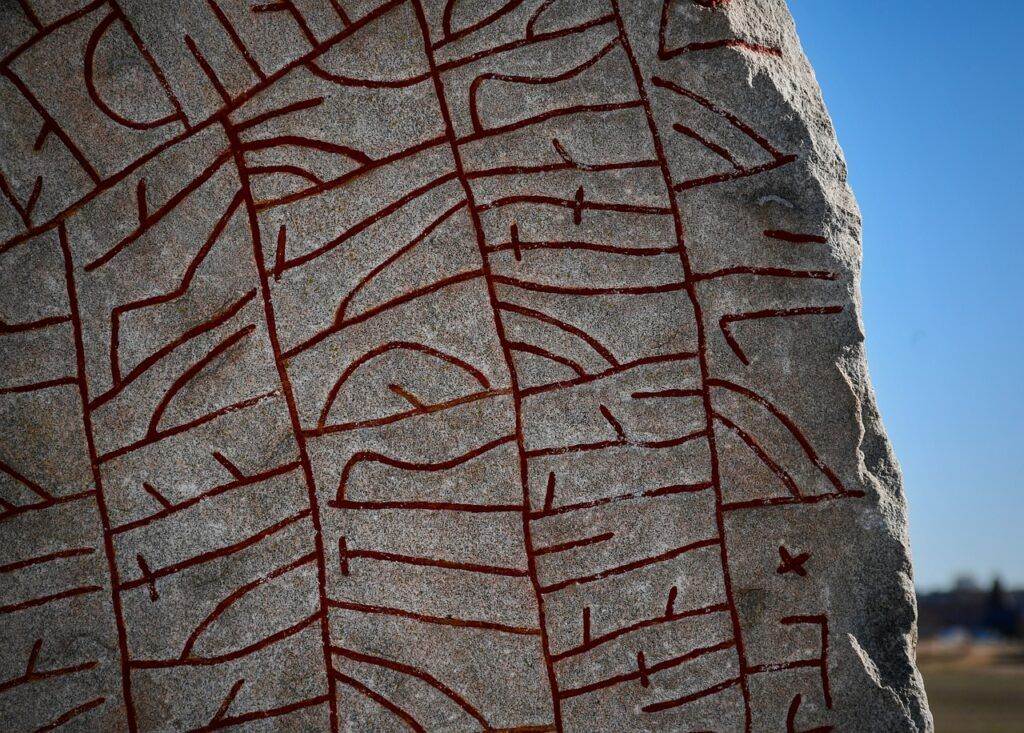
[928, 104]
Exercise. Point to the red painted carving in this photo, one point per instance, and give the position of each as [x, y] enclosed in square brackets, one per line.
[315, 538]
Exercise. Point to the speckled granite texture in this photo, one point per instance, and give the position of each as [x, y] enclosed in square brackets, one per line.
[436, 365]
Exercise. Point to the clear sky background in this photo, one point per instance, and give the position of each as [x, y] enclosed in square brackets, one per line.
[928, 101]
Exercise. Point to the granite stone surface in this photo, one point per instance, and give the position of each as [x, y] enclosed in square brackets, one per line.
[436, 365]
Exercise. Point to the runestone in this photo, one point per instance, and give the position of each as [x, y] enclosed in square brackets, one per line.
[436, 365]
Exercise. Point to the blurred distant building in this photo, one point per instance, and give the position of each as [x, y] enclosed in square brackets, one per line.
[967, 607]
[965, 584]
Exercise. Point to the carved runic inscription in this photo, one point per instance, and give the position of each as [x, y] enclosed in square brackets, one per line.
[435, 365]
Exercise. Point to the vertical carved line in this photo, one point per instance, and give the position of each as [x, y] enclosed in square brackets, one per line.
[293, 414]
[507, 352]
[701, 356]
[101, 504]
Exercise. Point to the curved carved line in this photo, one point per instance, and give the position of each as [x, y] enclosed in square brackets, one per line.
[350, 81]
[474, 87]
[339, 314]
[465, 366]
[189, 374]
[805, 444]
[229, 656]
[379, 699]
[762, 454]
[186, 281]
[383, 307]
[236, 596]
[373, 456]
[537, 14]
[596, 345]
[449, 10]
[279, 112]
[419, 674]
[94, 95]
[549, 355]
[294, 170]
[215, 554]
[300, 141]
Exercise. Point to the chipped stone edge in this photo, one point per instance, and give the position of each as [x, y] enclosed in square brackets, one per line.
[893, 669]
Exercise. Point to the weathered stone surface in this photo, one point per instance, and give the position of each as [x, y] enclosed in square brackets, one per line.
[436, 365]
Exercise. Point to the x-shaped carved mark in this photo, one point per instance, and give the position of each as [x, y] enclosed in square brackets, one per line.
[792, 563]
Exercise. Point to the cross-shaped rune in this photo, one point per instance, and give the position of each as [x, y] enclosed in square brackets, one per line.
[792, 563]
